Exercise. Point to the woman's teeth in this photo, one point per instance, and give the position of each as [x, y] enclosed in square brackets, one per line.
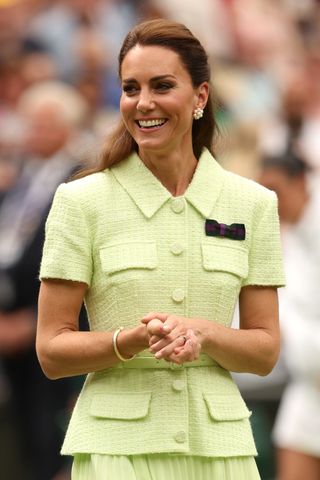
[151, 123]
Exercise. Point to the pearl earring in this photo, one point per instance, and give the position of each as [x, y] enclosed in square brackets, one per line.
[198, 113]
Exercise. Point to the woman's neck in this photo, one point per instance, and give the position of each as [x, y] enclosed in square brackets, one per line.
[174, 170]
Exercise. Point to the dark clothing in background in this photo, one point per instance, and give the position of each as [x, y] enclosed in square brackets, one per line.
[39, 406]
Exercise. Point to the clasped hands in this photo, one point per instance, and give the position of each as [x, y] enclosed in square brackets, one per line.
[172, 338]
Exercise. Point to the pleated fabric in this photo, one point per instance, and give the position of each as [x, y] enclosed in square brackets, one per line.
[162, 467]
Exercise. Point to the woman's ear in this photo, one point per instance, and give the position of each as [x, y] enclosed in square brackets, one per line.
[202, 95]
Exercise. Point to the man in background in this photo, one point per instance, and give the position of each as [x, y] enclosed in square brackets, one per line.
[52, 114]
[297, 426]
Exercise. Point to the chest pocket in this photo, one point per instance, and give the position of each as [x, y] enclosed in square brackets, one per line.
[126, 261]
[229, 263]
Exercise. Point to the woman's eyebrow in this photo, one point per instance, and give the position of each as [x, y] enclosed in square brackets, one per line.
[161, 77]
[153, 79]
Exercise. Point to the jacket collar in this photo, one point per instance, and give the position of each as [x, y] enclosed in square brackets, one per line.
[206, 184]
[150, 195]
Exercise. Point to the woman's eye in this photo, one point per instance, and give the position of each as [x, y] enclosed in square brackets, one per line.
[163, 87]
[130, 89]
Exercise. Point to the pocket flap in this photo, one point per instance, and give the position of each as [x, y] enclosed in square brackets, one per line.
[122, 406]
[226, 407]
[225, 258]
[122, 256]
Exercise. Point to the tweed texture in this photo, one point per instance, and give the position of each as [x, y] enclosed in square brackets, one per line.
[139, 249]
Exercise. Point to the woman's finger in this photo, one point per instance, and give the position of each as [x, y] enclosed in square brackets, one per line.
[158, 344]
[190, 351]
[180, 356]
[154, 339]
[172, 322]
[169, 349]
[196, 345]
[187, 353]
[155, 327]
[152, 315]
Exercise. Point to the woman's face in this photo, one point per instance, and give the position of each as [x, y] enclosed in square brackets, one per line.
[158, 99]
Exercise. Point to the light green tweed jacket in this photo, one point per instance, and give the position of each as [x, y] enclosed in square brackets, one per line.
[139, 249]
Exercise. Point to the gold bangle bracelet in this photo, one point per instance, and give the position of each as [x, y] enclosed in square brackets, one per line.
[115, 346]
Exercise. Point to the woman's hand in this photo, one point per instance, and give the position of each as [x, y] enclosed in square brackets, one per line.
[172, 338]
[252, 348]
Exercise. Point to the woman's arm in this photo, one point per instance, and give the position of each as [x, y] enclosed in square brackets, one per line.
[62, 349]
[254, 348]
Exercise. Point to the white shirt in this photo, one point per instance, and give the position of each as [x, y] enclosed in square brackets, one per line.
[300, 300]
[298, 422]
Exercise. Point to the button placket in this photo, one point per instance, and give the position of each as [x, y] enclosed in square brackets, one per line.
[176, 251]
[178, 205]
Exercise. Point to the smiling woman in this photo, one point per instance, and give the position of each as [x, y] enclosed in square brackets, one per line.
[190, 59]
[160, 242]
[158, 103]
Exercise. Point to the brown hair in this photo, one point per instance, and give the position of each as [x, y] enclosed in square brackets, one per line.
[178, 38]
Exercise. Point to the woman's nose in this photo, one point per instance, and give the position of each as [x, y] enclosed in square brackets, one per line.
[145, 102]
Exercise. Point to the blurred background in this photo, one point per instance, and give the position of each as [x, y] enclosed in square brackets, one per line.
[59, 95]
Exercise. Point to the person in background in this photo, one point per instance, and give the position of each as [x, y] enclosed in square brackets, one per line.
[160, 241]
[64, 26]
[297, 427]
[52, 115]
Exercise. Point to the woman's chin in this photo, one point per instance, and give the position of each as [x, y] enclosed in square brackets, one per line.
[152, 146]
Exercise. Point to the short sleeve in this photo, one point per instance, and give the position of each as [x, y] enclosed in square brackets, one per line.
[265, 252]
[67, 247]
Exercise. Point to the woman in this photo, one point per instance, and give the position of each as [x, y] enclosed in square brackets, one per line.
[139, 241]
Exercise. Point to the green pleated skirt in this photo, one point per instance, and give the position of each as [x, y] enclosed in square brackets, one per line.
[162, 467]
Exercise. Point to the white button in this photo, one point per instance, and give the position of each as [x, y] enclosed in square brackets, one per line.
[178, 295]
[177, 205]
[177, 248]
[178, 385]
[180, 437]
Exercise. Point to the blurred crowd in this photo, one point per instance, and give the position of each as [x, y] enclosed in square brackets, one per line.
[59, 95]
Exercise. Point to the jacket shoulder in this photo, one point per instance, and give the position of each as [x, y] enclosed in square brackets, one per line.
[246, 190]
[87, 185]
[89, 194]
